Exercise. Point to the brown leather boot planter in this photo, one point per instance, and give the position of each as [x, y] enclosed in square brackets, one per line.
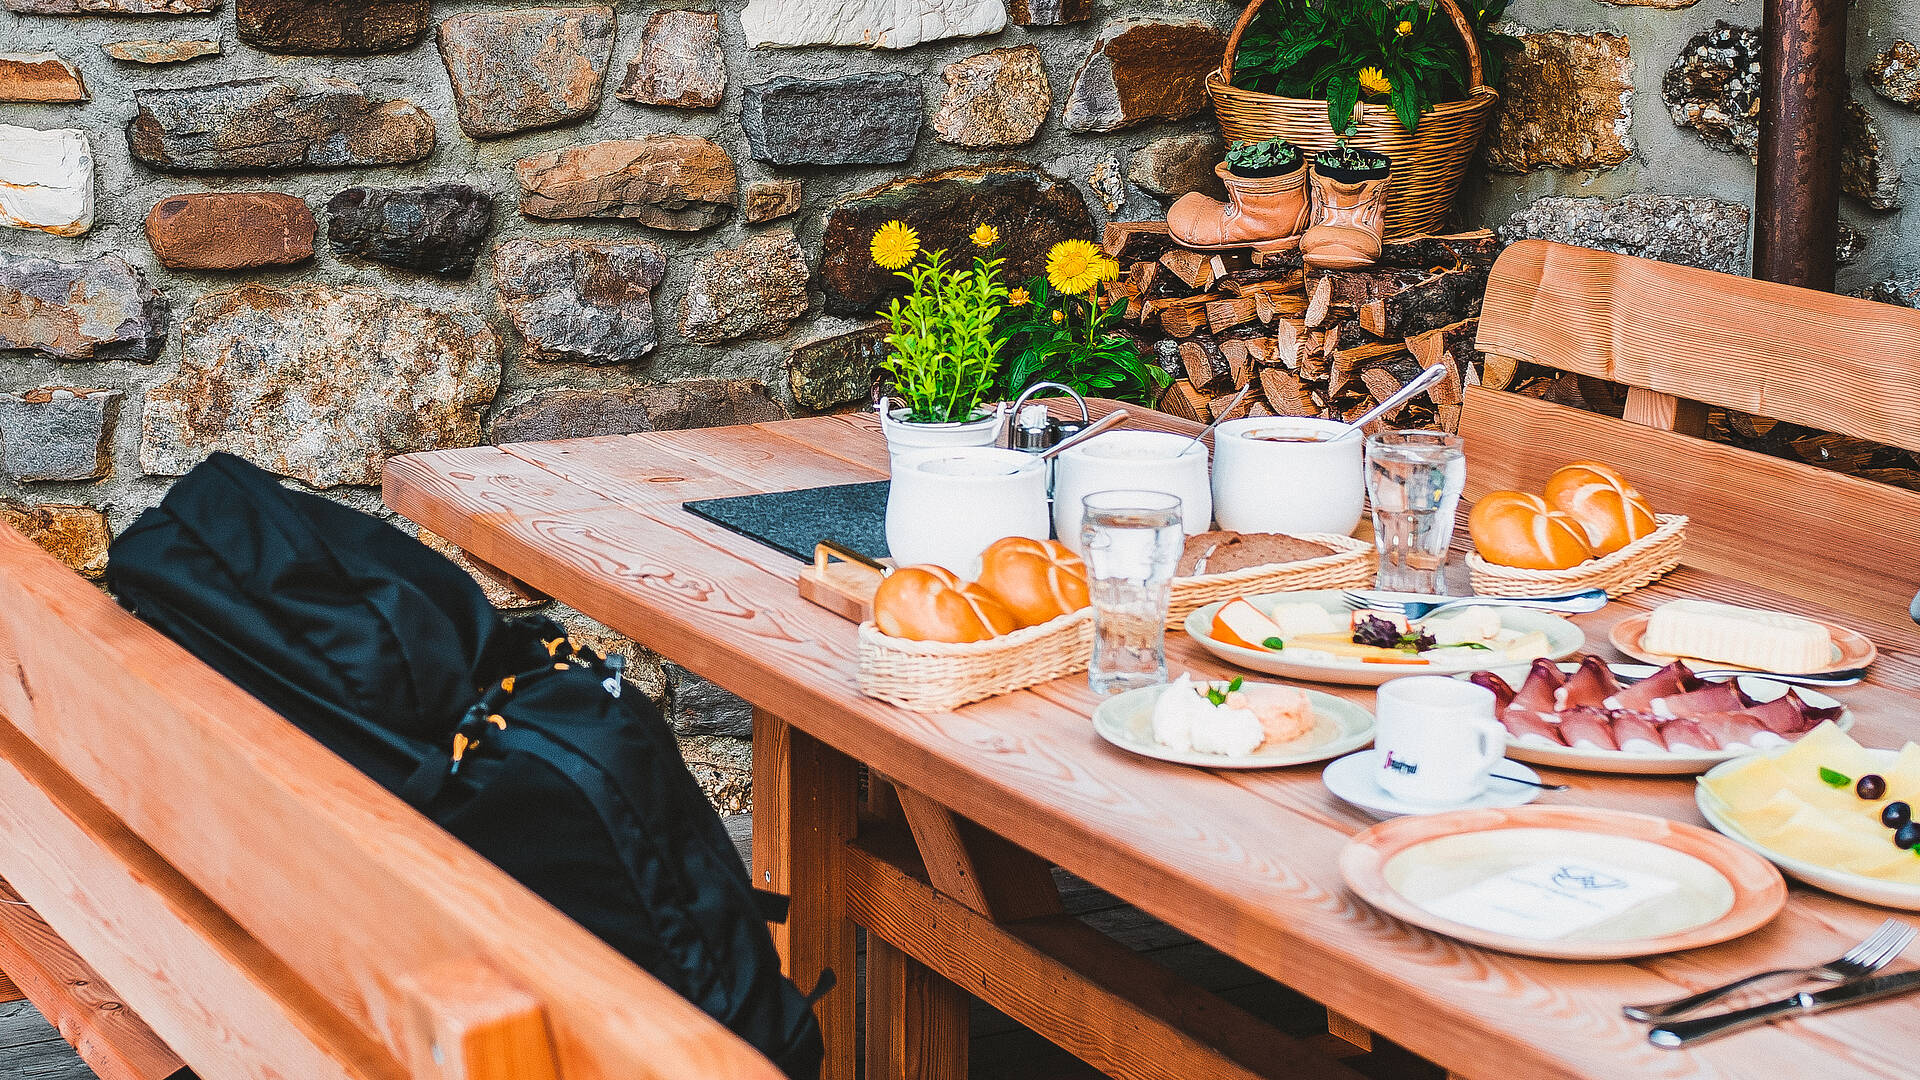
[1267, 207]
[1349, 189]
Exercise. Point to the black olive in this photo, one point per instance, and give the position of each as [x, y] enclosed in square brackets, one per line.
[1907, 835]
[1895, 814]
[1871, 786]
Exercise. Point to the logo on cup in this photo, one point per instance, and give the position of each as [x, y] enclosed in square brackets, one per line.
[1405, 767]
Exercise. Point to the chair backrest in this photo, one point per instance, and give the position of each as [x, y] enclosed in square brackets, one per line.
[1681, 338]
[268, 910]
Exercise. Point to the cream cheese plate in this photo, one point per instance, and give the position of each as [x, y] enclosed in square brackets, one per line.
[1563, 639]
[1339, 727]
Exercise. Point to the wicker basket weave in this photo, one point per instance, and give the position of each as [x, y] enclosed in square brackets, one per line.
[928, 676]
[1428, 162]
[1351, 566]
[1639, 564]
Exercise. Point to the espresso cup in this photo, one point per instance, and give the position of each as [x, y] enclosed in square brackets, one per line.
[1287, 474]
[1436, 740]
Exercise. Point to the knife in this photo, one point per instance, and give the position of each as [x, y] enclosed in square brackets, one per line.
[1676, 1034]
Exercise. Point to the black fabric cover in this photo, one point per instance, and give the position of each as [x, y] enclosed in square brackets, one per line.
[383, 651]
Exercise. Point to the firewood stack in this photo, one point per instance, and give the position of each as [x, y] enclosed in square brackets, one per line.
[1314, 343]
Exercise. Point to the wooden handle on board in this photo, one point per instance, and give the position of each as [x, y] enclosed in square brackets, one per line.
[1476, 73]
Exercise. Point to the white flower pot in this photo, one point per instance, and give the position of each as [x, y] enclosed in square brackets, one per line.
[905, 436]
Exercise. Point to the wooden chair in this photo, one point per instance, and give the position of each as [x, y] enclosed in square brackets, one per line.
[1682, 340]
[265, 909]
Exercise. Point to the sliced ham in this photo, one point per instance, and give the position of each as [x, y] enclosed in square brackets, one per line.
[1537, 693]
[1735, 730]
[1528, 726]
[1637, 732]
[1788, 715]
[1675, 678]
[1711, 698]
[1502, 693]
[1587, 728]
[1686, 734]
[1590, 685]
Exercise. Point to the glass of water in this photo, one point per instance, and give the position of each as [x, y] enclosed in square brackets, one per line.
[1131, 541]
[1414, 481]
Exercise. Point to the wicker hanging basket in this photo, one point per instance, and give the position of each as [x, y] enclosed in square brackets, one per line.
[1428, 162]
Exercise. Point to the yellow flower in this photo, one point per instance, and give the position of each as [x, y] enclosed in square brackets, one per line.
[1404, 28]
[1059, 316]
[1018, 298]
[985, 236]
[1073, 266]
[1373, 81]
[1109, 269]
[895, 245]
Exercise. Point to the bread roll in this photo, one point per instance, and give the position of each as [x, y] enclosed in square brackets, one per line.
[1513, 528]
[930, 603]
[1036, 579]
[1612, 512]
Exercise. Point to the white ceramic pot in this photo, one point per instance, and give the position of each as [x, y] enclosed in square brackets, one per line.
[945, 506]
[905, 436]
[1132, 461]
[1260, 485]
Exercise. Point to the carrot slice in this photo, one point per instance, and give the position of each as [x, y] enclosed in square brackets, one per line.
[1392, 660]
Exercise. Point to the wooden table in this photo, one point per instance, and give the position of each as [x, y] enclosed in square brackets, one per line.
[1244, 861]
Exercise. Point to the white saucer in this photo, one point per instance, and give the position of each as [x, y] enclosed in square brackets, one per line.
[1352, 779]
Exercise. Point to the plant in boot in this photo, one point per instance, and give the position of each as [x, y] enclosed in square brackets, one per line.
[1349, 207]
[1351, 164]
[1273, 157]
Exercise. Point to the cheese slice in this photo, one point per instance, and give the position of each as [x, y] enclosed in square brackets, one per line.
[1749, 637]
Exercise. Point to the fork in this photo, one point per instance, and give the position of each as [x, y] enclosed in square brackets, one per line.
[1590, 600]
[1876, 952]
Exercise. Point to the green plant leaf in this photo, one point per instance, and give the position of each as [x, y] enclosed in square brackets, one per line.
[1343, 94]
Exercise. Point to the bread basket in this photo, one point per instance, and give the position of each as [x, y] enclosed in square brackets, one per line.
[930, 676]
[1637, 565]
[1350, 566]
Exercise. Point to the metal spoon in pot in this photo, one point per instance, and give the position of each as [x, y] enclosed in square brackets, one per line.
[1394, 400]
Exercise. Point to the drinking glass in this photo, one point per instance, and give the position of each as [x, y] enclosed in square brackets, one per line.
[1414, 479]
[1131, 541]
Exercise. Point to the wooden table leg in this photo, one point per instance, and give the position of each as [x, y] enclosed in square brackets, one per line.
[916, 1021]
[804, 808]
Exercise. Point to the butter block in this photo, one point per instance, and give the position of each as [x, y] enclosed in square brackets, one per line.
[1749, 637]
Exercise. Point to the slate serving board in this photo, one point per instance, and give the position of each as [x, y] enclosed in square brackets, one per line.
[852, 515]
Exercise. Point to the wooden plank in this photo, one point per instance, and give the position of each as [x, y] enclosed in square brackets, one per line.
[108, 1035]
[917, 1022]
[804, 807]
[252, 821]
[988, 874]
[1809, 357]
[1650, 408]
[1859, 561]
[479, 1025]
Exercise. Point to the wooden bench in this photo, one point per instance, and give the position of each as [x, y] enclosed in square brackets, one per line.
[1683, 340]
[261, 907]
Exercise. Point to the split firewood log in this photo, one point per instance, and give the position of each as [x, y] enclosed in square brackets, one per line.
[1287, 394]
[1192, 267]
[1234, 281]
[1447, 417]
[1217, 408]
[1182, 400]
[1440, 299]
[1183, 318]
[1372, 350]
[1291, 259]
[1207, 367]
[1477, 248]
[1126, 240]
[1259, 407]
[1451, 345]
[1224, 314]
[1497, 372]
[1320, 302]
[1240, 362]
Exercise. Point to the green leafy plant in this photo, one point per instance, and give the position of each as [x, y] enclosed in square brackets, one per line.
[1070, 339]
[1352, 160]
[1407, 55]
[945, 353]
[1271, 157]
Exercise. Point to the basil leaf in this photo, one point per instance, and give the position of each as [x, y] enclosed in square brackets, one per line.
[1834, 779]
[1274, 643]
[1234, 686]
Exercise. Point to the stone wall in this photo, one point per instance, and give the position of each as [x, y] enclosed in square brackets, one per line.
[320, 233]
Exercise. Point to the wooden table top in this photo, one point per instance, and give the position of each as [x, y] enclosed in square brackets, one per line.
[1245, 861]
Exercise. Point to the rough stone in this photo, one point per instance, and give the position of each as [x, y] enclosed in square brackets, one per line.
[698, 707]
[1895, 74]
[1032, 211]
[580, 301]
[1566, 103]
[1895, 290]
[878, 24]
[997, 98]
[680, 183]
[504, 593]
[76, 535]
[321, 384]
[1140, 71]
[93, 309]
[113, 7]
[288, 122]
[569, 413]
[679, 63]
[1108, 183]
[753, 290]
[39, 77]
[1173, 166]
[330, 26]
[868, 118]
[723, 767]
[57, 433]
[230, 230]
[1049, 12]
[46, 180]
[828, 372]
[1689, 230]
[527, 68]
[160, 52]
[1848, 243]
[770, 200]
[1868, 170]
[1713, 87]
[438, 229]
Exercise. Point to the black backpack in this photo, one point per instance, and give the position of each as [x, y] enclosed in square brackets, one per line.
[498, 730]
